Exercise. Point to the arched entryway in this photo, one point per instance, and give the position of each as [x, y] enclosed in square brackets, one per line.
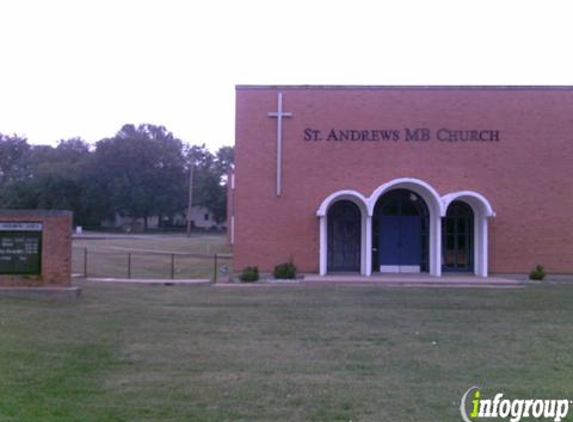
[481, 211]
[425, 194]
[331, 208]
[458, 238]
[344, 237]
[430, 215]
[400, 233]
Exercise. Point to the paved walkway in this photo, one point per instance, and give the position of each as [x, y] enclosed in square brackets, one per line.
[392, 280]
[415, 279]
[150, 280]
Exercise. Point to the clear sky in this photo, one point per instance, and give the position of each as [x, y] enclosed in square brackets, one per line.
[86, 67]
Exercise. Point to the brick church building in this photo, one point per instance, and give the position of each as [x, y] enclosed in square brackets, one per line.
[369, 179]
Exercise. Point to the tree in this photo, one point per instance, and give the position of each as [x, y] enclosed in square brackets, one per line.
[225, 157]
[51, 178]
[208, 181]
[89, 201]
[15, 172]
[140, 172]
[14, 152]
[223, 164]
[143, 171]
[202, 160]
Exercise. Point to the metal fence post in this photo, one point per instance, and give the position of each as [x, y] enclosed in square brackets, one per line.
[215, 274]
[129, 265]
[172, 266]
[85, 262]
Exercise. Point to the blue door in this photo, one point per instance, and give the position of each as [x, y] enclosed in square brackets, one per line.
[400, 233]
[389, 250]
[410, 240]
[400, 240]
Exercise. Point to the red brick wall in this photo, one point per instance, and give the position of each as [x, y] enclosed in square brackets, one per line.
[527, 176]
[56, 248]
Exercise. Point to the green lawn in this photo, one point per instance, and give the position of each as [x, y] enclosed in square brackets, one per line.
[280, 353]
[149, 255]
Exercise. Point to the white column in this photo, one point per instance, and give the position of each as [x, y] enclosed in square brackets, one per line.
[480, 245]
[483, 262]
[477, 242]
[435, 244]
[322, 245]
[439, 246]
[368, 253]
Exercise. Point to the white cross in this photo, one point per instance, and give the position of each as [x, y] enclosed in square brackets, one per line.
[279, 114]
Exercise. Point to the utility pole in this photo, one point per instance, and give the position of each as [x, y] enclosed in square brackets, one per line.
[190, 199]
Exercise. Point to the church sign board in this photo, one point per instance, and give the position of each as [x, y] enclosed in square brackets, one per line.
[20, 248]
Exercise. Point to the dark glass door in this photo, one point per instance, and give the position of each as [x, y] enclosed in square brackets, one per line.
[344, 224]
[458, 238]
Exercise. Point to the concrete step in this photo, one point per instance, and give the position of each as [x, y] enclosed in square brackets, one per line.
[413, 279]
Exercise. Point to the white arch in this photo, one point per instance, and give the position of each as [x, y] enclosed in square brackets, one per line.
[365, 225]
[426, 191]
[482, 210]
[350, 195]
[476, 200]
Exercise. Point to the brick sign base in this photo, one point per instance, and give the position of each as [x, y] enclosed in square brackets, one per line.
[35, 248]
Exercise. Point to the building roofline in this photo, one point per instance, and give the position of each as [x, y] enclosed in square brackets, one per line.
[410, 87]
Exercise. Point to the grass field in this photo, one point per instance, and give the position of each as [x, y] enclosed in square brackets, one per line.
[281, 353]
[149, 255]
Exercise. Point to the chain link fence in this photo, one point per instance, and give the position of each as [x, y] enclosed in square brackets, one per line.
[94, 263]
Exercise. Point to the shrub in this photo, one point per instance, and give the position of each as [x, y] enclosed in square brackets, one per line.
[249, 274]
[538, 273]
[285, 270]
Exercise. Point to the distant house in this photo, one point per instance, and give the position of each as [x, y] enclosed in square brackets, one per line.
[201, 218]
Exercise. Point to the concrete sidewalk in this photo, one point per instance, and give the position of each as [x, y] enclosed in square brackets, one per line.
[150, 280]
[415, 279]
[390, 280]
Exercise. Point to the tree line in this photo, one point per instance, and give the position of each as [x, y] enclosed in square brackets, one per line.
[142, 171]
